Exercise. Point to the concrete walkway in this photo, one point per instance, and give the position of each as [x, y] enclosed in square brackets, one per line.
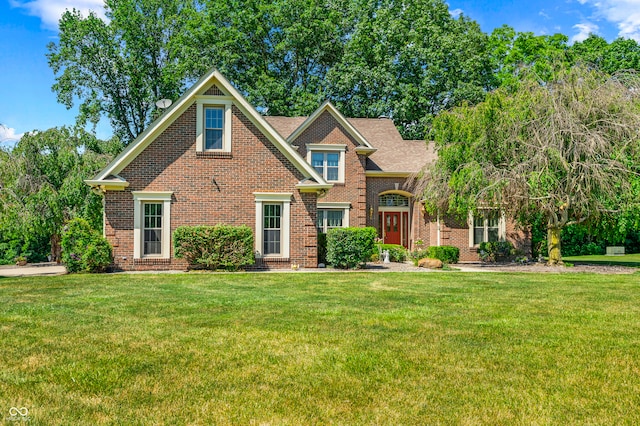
[32, 269]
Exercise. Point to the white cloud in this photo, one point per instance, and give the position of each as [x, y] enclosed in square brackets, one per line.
[50, 11]
[456, 12]
[625, 14]
[7, 134]
[584, 30]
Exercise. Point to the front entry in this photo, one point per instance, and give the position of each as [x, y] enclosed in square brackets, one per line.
[391, 222]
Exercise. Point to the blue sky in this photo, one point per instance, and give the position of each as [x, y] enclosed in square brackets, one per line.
[27, 26]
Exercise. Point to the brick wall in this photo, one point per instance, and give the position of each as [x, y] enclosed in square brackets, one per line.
[170, 163]
[326, 130]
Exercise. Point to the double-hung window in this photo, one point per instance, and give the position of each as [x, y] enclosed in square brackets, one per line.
[487, 226]
[272, 230]
[213, 128]
[151, 224]
[152, 232]
[327, 160]
[213, 124]
[273, 210]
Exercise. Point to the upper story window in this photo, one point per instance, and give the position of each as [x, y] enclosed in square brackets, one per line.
[213, 127]
[213, 124]
[327, 160]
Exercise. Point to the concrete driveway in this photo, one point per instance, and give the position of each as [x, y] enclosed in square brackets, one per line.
[32, 269]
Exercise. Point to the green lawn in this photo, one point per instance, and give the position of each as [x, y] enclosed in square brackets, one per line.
[632, 260]
[326, 348]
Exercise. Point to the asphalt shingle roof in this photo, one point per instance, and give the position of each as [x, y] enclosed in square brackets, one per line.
[393, 154]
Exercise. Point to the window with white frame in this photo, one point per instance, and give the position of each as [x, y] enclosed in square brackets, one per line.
[327, 160]
[329, 219]
[151, 224]
[272, 230]
[152, 229]
[213, 128]
[273, 212]
[486, 226]
[213, 124]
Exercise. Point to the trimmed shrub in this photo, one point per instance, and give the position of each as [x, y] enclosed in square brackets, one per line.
[322, 248]
[215, 247]
[397, 253]
[350, 247]
[496, 251]
[448, 254]
[84, 249]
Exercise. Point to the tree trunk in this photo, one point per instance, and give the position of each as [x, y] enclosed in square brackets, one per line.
[553, 246]
[56, 249]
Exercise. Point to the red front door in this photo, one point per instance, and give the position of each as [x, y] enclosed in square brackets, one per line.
[391, 222]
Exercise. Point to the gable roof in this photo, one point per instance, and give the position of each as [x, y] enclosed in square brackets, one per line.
[341, 119]
[393, 155]
[312, 180]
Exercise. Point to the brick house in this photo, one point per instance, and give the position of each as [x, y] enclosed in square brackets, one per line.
[212, 158]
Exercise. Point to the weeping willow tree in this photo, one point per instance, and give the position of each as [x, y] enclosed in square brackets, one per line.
[567, 149]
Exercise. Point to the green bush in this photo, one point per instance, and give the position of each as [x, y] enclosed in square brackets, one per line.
[84, 249]
[418, 254]
[350, 247]
[447, 254]
[322, 248]
[397, 253]
[215, 247]
[496, 251]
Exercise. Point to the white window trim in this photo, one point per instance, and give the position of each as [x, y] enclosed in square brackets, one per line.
[285, 222]
[502, 228]
[213, 101]
[139, 197]
[319, 147]
[345, 207]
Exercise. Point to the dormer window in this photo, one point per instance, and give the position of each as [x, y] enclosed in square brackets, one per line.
[213, 124]
[327, 160]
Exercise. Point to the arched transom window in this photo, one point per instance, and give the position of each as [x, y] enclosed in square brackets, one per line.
[393, 200]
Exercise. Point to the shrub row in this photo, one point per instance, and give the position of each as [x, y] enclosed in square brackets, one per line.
[215, 247]
[84, 249]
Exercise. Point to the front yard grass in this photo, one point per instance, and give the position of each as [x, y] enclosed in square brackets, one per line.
[341, 348]
[632, 260]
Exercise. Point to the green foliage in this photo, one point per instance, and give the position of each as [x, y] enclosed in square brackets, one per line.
[84, 249]
[565, 150]
[42, 181]
[418, 254]
[322, 248]
[215, 247]
[397, 253]
[350, 247]
[447, 254]
[496, 251]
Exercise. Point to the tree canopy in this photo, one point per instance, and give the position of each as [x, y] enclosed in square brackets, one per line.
[568, 149]
[406, 60]
[42, 187]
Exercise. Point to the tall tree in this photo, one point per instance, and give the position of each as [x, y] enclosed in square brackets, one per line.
[42, 183]
[568, 149]
[121, 67]
[409, 61]
[515, 54]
